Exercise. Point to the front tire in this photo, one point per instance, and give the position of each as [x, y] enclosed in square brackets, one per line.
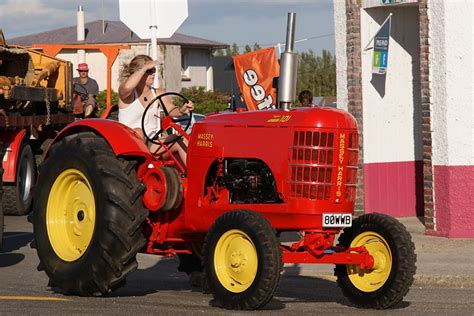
[390, 244]
[18, 197]
[87, 231]
[242, 260]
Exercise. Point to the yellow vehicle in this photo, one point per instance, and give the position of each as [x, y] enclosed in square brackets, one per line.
[35, 103]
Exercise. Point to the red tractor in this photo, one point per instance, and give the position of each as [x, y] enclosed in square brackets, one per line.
[103, 198]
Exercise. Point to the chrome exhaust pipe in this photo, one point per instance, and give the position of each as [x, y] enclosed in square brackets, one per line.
[288, 67]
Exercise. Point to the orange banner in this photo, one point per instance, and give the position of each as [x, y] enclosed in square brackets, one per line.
[255, 72]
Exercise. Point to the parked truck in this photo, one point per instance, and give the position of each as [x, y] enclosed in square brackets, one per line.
[35, 104]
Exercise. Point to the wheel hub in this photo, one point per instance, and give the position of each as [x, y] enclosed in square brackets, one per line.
[235, 261]
[370, 280]
[238, 261]
[70, 215]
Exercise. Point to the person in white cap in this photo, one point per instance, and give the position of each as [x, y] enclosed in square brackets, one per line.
[87, 88]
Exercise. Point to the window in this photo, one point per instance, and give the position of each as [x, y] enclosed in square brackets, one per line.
[184, 66]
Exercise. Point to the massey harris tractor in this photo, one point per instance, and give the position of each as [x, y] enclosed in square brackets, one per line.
[249, 177]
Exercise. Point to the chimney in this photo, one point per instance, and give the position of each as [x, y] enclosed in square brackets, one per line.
[81, 54]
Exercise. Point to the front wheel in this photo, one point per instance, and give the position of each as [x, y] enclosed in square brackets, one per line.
[390, 244]
[87, 230]
[242, 260]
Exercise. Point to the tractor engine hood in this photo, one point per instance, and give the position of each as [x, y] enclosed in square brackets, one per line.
[296, 117]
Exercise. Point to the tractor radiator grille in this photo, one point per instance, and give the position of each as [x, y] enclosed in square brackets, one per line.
[314, 162]
[351, 167]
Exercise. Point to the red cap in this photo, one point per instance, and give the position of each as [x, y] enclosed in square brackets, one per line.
[82, 67]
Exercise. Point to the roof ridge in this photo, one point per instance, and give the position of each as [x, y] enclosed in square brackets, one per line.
[116, 32]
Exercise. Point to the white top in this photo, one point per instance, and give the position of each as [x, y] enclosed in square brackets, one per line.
[131, 116]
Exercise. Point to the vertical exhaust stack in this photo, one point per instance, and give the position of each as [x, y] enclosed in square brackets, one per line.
[81, 34]
[288, 67]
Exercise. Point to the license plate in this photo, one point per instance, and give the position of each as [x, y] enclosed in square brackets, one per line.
[337, 220]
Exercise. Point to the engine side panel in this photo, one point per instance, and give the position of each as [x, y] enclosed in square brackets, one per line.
[273, 137]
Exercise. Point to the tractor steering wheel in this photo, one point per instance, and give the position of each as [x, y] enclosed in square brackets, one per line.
[167, 121]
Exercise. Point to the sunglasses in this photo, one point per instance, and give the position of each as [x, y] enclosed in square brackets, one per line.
[83, 70]
[150, 71]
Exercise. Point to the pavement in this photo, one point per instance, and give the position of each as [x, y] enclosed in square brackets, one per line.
[441, 262]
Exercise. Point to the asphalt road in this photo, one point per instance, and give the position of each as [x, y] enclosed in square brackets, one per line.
[158, 288]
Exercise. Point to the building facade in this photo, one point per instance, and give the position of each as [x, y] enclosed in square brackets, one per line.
[187, 59]
[416, 121]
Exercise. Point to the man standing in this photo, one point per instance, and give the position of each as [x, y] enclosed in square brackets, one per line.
[87, 88]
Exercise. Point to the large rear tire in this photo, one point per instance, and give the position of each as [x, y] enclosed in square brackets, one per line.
[2, 152]
[390, 244]
[242, 260]
[87, 231]
[1, 205]
[18, 197]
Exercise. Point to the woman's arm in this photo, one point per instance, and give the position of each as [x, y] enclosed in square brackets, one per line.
[172, 109]
[126, 88]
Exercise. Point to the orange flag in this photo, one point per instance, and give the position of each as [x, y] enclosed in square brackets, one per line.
[255, 72]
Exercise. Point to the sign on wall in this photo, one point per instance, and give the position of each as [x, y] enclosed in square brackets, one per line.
[381, 43]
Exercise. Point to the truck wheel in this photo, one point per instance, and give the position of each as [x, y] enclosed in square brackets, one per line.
[18, 197]
[87, 230]
[2, 152]
[1, 224]
[242, 260]
[390, 244]
[1, 206]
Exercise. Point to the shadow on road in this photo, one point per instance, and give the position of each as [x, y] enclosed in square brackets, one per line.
[11, 242]
[10, 259]
[163, 276]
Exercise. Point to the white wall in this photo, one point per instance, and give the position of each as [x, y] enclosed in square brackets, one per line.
[198, 61]
[451, 76]
[341, 53]
[391, 102]
[173, 68]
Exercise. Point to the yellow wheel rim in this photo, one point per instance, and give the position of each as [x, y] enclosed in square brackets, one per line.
[70, 215]
[235, 261]
[370, 280]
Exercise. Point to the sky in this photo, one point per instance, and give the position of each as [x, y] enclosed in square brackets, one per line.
[229, 21]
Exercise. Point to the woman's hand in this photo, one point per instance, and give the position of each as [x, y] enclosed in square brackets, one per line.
[150, 65]
[140, 134]
[187, 107]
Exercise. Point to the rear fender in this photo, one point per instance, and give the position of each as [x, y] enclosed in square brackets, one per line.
[122, 140]
[14, 140]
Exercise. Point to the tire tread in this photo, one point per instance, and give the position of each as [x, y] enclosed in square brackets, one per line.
[112, 252]
[403, 265]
